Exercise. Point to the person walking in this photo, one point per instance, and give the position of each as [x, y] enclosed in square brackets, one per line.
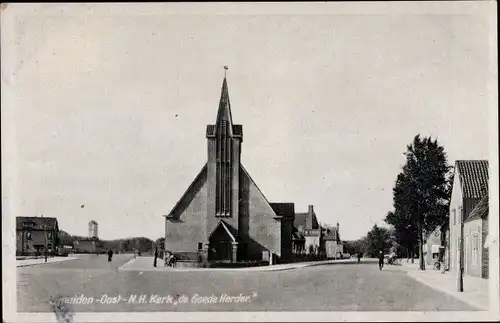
[359, 256]
[381, 259]
[110, 255]
[156, 257]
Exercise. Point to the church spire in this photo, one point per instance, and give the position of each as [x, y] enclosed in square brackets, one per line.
[224, 112]
[224, 147]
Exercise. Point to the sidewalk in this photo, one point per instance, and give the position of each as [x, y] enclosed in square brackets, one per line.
[146, 264]
[476, 290]
[41, 261]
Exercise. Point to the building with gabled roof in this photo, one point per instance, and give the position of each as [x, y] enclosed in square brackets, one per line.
[33, 234]
[223, 215]
[308, 232]
[334, 247]
[470, 183]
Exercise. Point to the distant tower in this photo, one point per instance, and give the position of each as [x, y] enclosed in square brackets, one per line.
[93, 229]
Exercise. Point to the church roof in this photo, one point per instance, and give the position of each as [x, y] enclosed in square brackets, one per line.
[473, 177]
[183, 200]
[284, 209]
[257, 187]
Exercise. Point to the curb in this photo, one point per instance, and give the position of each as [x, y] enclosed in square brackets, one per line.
[247, 269]
[44, 263]
[128, 261]
[479, 306]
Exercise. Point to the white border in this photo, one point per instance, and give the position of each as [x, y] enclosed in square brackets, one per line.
[9, 170]
[493, 225]
[264, 316]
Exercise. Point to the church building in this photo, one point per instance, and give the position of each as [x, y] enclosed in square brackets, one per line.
[223, 215]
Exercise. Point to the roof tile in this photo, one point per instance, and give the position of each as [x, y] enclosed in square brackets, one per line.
[474, 177]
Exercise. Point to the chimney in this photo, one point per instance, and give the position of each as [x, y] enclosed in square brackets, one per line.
[309, 219]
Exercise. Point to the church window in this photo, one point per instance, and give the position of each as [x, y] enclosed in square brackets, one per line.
[223, 169]
[200, 246]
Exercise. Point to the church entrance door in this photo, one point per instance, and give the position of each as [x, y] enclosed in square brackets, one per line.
[221, 250]
[221, 245]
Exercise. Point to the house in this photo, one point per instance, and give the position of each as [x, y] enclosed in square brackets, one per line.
[223, 216]
[476, 262]
[307, 233]
[469, 182]
[34, 233]
[432, 246]
[333, 245]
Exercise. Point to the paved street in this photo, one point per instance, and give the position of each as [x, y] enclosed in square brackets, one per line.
[339, 287]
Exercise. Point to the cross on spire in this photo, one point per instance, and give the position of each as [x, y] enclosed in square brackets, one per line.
[225, 70]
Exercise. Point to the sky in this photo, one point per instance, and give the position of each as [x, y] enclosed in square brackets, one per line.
[108, 105]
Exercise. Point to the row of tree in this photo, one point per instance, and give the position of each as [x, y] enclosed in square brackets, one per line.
[421, 198]
[378, 238]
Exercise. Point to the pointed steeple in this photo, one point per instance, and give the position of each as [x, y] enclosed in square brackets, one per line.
[224, 112]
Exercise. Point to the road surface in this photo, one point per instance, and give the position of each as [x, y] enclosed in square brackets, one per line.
[339, 287]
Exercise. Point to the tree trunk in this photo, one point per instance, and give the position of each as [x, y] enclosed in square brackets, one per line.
[421, 247]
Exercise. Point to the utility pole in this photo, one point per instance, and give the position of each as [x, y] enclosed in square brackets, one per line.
[23, 232]
[45, 234]
[460, 271]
